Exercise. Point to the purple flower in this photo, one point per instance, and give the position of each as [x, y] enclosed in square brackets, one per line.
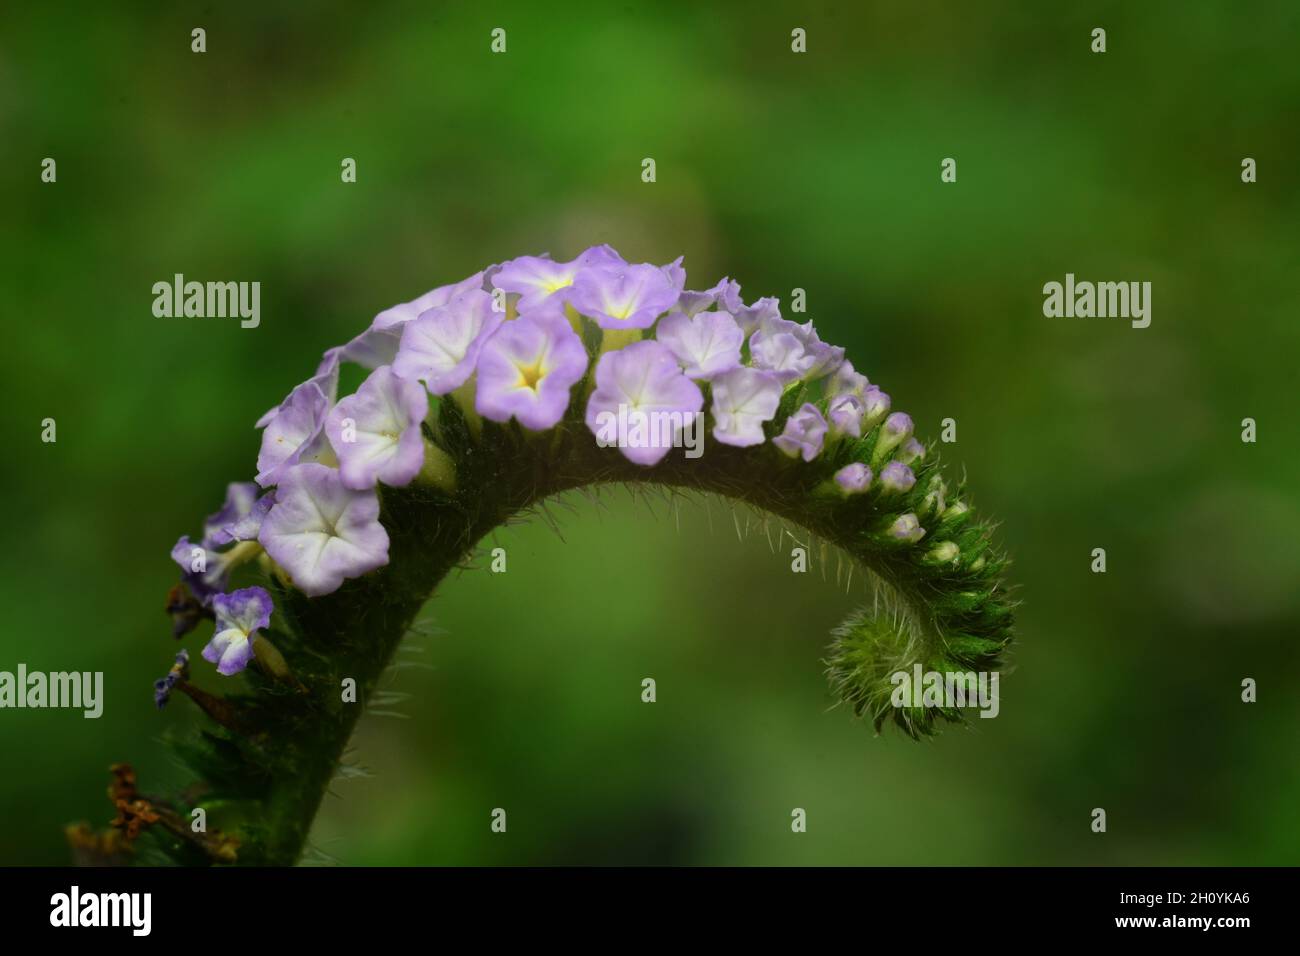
[295, 434]
[641, 385]
[896, 429]
[240, 496]
[750, 317]
[706, 344]
[907, 528]
[163, 687]
[404, 312]
[792, 351]
[246, 527]
[676, 274]
[780, 352]
[846, 381]
[875, 405]
[626, 297]
[378, 344]
[826, 358]
[743, 399]
[326, 379]
[240, 615]
[321, 532]
[525, 371]
[853, 479]
[692, 302]
[442, 345]
[239, 518]
[376, 432]
[896, 476]
[911, 451]
[804, 432]
[203, 570]
[845, 414]
[536, 279]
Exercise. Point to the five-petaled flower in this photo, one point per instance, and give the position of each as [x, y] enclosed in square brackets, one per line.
[623, 296]
[535, 279]
[376, 432]
[743, 399]
[441, 347]
[706, 343]
[642, 383]
[322, 532]
[525, 371]
[240, 615]
[804, 432]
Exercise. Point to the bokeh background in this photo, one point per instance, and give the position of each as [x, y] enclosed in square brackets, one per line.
[818, 171]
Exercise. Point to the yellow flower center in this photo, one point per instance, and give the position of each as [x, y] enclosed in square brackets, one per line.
[530, 375]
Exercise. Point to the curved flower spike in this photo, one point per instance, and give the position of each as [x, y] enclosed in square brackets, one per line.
[376, 432]
[322, 532]
[841, 466]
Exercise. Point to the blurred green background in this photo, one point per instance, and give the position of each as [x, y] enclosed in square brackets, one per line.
[818, 171]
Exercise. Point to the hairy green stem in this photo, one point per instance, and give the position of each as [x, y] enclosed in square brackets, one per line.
[953, 613]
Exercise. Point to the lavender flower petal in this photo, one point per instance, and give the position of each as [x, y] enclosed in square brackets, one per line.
[295, 434]
[896, 476]
[240, 615]
[641, 384]
[845, 414]
[376, 432]
[907, 528]
[321, 532]
[629, 297]
[525, 371]
[853, 478]
[804, 433]
[442, 345]
[706, 344]
[535, 279]
[743, 399]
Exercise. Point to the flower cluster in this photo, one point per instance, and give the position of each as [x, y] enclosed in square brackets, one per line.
[509, 344]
